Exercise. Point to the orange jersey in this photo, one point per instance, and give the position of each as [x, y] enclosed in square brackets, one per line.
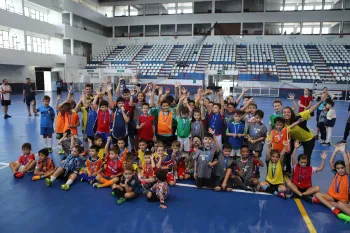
[147, 171]
[339, 188]
[71, 119]
[93, 166]
[277, 138]
[60, 122]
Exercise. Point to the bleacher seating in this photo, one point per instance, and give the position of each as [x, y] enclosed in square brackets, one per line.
[289, 62]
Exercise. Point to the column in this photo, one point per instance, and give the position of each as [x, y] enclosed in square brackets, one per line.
[71, 19]
[113, 31]
[72, 47]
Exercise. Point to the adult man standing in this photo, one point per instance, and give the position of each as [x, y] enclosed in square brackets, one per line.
[59, 84]
[5, 90]
[29, 92]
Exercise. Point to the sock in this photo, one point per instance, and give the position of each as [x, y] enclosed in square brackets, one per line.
[53, 178]
[103, 180]
[69, 182]
[50, 142]
[45, 142]
[36, 178]
[108, 183]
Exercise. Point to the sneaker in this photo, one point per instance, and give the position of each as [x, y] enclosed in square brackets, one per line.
[82, 180]
[5, 117]
[36, 114]
[345, 217]
[326, 144]
[342, 141]
[336, 211]
[8, 116]
[61, 152]
[19, 174]
[48, 182]
[315, 200]
[50, 150]
[97, 185]
[65, 187]
[121, 200]
[35, 178]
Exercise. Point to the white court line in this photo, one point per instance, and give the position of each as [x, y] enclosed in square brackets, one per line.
[234, 190]
[5, 165]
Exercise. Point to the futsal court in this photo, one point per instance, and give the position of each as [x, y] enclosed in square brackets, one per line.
[31, 207]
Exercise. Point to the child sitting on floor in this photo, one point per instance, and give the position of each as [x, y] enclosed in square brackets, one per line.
[159, 191]
[26, 162]
[128, 187]
[147, 172]
[337, 198]
[301, 183]
[112, 170]
[45, 167]
[165, 163]
[274, 183]
[241, 173]
[68, 170]
[93, 166]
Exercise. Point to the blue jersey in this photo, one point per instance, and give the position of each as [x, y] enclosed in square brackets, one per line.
[47, 116]
[236, 128]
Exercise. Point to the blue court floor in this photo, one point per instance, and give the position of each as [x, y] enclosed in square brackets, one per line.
[31, 207]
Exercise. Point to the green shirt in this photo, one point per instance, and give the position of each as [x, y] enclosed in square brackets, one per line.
[273, 117]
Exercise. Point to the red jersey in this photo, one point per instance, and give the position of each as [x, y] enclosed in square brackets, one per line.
[24, 159]
[114, 167]
[168, 163]
[302, 176]
[104, 120]
[304, 101]
[146, 132]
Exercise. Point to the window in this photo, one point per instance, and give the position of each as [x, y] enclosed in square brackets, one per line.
[331, 28]
[2, 4]
[38, 45]
[152, 9]
[254, 5]
[291, 29]
[293, 5]
[185, 8]
[152, 30]
[167, 30]
[273, 28]
[231, 6]
[274, 5]
[184, 29]
[346, 27]
[252, 29]
[227, 29]
[168, 9]
[311, 28]
[202, 7]
[120, 11]
[136, 31]
[347, 4]
[201, 29]
[26, 11]
[312, 5]
[4, 39]
[333, 5]
[45, 18]
[136, 10]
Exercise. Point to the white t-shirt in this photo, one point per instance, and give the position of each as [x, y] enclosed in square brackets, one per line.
[5, 96]
[331, 114]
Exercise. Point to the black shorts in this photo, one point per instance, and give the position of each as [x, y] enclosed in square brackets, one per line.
[59, 136]
[302, 190]
[167, 140]
[65, 175]
[218, 182]
[5, 102]
[274, 187]
[204, 182]
[59, 90]
[29, 100]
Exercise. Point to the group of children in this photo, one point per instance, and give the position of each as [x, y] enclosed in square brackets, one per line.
[214, 142]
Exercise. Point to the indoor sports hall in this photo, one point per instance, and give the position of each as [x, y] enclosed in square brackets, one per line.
[192, 50]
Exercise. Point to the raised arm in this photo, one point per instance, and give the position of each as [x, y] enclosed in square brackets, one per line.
[345, 156]
[109, 93]
[315, 106]
[323, 157]
[285, 144]
[244, 90]
[107, 146]
[332, 159]
[222, 102]
[217, 146]
[294, 154]
[291, 96]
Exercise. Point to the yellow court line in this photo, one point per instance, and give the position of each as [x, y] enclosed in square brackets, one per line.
[303, 213]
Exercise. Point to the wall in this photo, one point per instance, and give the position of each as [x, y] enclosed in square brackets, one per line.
[16, 74]
[234, 39]
[98, 42]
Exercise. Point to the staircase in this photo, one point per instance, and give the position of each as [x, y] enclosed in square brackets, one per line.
[170, 61]
[241, 58]
[204, 58]
[136, 61]
[281, 63]
[320, 65]
[347, 47]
